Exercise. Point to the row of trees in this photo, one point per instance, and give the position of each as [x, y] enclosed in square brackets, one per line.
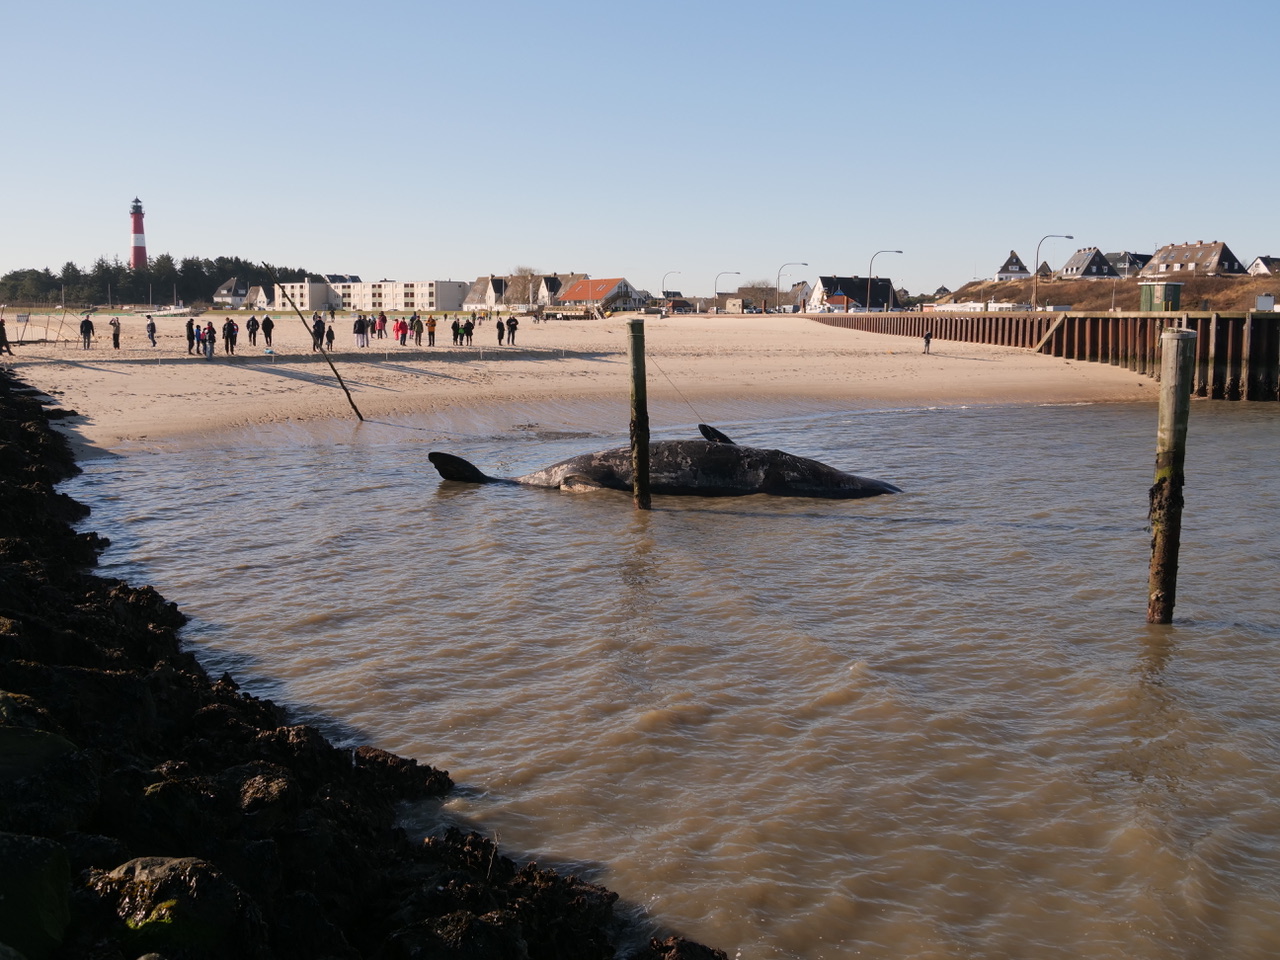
[163, 280]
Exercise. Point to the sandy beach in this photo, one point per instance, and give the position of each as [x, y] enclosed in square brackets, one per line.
[560, 373]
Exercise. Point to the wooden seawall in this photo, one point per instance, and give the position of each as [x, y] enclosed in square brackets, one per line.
[1237, 354]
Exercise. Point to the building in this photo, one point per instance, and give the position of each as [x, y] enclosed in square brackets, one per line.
[1013, 269]
[232, 293]
[487, 293]
[551, 286]
[1264, 267]
[848, 294]
[348, 292]
[138, 239]
[1199, 258]
[613, 293]
[307, 295]
[1088, 263]
[260, 298]
[1128, 264]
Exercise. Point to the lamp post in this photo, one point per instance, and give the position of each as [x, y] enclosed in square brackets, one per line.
[1035, 277]
[869, 266]
[715, 287]
[777, 284]
[663, 291]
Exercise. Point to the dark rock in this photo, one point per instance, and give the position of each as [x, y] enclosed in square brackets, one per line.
[678, 948]
[34, 889]
[182, 907]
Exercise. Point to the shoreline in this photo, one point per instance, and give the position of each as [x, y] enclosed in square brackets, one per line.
[565, 374]
[147, 808]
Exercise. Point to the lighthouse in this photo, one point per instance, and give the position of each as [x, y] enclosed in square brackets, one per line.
[138, 255]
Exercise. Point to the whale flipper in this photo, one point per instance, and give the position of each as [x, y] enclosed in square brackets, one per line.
[455, 468]
[712, 434]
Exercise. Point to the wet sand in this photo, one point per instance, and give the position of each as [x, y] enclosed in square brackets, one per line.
[141, 395]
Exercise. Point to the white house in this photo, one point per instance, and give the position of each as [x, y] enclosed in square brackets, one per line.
[232, 293]
[1013, 268]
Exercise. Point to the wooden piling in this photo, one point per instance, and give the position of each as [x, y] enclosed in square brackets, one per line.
[639, 419]
[1177, 364]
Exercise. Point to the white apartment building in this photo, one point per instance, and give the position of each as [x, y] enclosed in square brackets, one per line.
[351, 293]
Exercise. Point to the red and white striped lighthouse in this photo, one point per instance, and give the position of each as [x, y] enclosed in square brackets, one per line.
[138, 256]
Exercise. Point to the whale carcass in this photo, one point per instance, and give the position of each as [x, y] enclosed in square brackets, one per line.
[711, 467]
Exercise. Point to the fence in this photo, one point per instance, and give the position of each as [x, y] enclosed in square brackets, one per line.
[1237, 354]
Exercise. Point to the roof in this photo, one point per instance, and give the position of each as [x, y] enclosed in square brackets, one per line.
[1013, 267]
[855, 288]
[1088, 263]
[1127, 264]
[1205, 259]
[235, 287]
[587, 290]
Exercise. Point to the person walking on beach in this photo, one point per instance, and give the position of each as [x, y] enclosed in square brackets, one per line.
[151, 330]
[402, 331]
[317, 332]
[229, 331]
[456, 327]
[210, 339]
[431, 330]
[251, 326]
[468, 329]
[928, 338]
[358, 329]
[115, 332]
[86, 332]
[417, 330]
[191, 334]
[381, 325]
[4, 340]
[502, 331]
[512, 323]
[328, 337]
[267, 326]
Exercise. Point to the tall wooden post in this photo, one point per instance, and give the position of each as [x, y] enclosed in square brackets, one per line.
[1177, 363]
[639, 418]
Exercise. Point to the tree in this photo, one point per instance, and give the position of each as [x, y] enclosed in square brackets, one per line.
[758, 293]
[522, 286]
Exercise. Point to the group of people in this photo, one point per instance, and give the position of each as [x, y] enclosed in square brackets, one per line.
[464, 329]
[202, 340]
[366, 327]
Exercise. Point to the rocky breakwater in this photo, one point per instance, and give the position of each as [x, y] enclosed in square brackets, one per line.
[147, 809]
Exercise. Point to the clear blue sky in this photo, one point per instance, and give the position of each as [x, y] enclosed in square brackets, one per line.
[428, 140]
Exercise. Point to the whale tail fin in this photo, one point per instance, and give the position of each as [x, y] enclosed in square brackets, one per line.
[455, 468]
[712, 434]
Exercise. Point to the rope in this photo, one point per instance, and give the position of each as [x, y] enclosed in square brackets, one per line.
[696, 414]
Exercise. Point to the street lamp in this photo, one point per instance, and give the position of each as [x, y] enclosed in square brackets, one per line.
[1035, 278]
[777, 284]
[663, 291]
[869, 266]
[715, 287]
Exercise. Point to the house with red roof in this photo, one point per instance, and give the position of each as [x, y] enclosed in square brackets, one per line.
[613, 293]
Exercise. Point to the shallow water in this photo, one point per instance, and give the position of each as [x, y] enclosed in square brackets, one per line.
[927, 725]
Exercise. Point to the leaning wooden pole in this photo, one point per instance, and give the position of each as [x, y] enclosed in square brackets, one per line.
[323, 352]
[639, 419]
[1177, 371]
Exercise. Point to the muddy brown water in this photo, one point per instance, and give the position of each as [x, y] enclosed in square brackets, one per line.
[926, 725]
